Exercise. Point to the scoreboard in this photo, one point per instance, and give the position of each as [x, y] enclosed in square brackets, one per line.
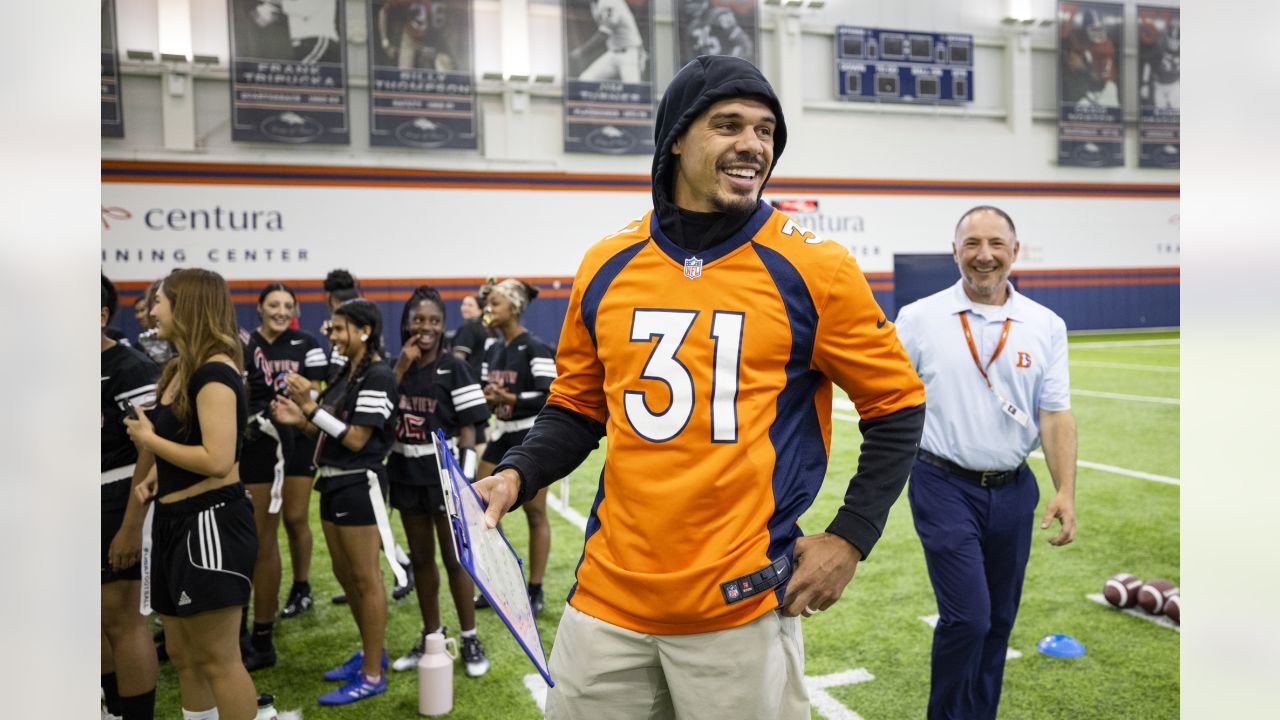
[903, 65]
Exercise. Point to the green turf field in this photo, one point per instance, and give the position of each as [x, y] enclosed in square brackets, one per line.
[1125, 524]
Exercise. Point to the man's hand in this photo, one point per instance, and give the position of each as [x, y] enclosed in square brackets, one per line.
[499, 493]
[824, 565]
[1062, 507]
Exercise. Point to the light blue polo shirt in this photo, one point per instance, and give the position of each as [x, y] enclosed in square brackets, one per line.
[964, 421]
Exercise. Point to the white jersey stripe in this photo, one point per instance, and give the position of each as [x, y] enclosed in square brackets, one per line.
[140, 390]
[468, 405]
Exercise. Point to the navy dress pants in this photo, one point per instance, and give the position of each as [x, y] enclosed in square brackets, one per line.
[976, 544]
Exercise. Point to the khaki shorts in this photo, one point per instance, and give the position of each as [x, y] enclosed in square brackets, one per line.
[752, 672]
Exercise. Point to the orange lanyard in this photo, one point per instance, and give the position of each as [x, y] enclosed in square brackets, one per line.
[973, 349]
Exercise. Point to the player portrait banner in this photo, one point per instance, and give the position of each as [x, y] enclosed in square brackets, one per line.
[717, 27]
[608, 98]
[112, 110]
[422, 85]
[1090, 55]
[1159, 74]
[288, 71]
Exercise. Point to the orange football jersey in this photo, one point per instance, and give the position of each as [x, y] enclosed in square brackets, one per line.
[712, 373]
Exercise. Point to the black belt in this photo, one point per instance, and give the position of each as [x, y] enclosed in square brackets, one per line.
[981, 478]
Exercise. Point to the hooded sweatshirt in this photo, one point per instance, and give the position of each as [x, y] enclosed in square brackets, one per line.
[706, 80]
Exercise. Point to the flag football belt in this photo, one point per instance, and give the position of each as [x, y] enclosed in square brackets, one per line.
[124, 472]
[502, 427]
[380, 519]
[265, 426]
[766, 578]
[421, 450]
[981, 478]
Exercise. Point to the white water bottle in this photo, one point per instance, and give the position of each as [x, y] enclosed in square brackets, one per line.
[435, 676]
[266, 709]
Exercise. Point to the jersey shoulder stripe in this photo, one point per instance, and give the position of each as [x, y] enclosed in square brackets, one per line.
[604, 261]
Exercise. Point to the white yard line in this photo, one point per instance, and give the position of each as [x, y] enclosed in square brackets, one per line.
[932, 621]
[1174, 342]
[822, 701]
[566, 512]
[1126, 366]
[1120, 471]
[1160, 620]
[1123, 396]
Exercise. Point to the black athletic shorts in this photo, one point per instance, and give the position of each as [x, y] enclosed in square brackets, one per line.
[203, 552]
[352, 503]
[417, 499]
[494, 451]
[302, 460]
[258, 456]
[112, 519]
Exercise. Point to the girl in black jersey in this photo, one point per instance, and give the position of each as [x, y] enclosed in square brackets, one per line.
[128, 656]
[273, 351]
[199, 543]
[437, 392]
[517, 376]
[354, 420]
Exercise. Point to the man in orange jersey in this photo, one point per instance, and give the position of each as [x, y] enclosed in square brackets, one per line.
[703, 340]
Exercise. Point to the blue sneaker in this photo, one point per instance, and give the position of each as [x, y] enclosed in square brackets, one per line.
[348, 670]
[358, 688]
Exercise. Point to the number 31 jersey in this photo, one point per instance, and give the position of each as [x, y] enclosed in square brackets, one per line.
[712, 373]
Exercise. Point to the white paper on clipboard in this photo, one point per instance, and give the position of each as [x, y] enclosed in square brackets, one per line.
[488, 558]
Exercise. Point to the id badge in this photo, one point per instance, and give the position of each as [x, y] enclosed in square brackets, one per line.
[1016, 413]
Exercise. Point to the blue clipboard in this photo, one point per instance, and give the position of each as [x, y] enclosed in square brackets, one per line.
[488, 558]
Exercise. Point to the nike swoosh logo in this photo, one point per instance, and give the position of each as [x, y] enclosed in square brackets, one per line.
[106, 378]
[443, 372]
[341, 514]
[880, 323]
[522, 347]
[299, 341]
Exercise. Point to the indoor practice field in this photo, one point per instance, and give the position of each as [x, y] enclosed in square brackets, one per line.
[867, 656]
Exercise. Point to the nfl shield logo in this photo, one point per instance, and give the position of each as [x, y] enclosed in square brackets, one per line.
[733, 592]
[693, 268]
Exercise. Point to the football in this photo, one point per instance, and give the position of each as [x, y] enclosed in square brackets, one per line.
[1173, 607]
[1153, 594]
[1121, 590]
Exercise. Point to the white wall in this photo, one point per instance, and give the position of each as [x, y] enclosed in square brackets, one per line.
[1008, 134]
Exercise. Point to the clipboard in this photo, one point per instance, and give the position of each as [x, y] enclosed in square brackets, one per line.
[488, 558]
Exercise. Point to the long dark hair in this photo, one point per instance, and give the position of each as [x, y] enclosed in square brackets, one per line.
[359, 313]
[273, 287]
[421, 293]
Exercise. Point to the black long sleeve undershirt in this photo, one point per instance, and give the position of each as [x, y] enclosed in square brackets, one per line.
[558, 442]
[889, 446]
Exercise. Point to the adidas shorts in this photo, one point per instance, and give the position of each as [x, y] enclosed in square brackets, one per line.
[203, 552]
[258, 455]
[417, 499]
[302, 460]
[351, 503]
[112, 519]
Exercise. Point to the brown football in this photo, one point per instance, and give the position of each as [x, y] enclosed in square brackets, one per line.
[1153, 594]
[1121, 590]
[1173, 607]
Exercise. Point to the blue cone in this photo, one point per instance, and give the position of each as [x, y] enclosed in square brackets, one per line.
[1063, 646]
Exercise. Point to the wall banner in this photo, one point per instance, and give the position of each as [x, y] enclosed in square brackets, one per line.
[608, 96]
[422, 83]
[1090, 113]
[717, 27]
[1159, 75]
[112, 108]
[288, 71]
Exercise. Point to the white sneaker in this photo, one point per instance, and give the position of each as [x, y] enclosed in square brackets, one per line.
[409, 660]
[474, 660]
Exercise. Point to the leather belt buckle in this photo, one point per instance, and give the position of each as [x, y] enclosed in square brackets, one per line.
[991, 478]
